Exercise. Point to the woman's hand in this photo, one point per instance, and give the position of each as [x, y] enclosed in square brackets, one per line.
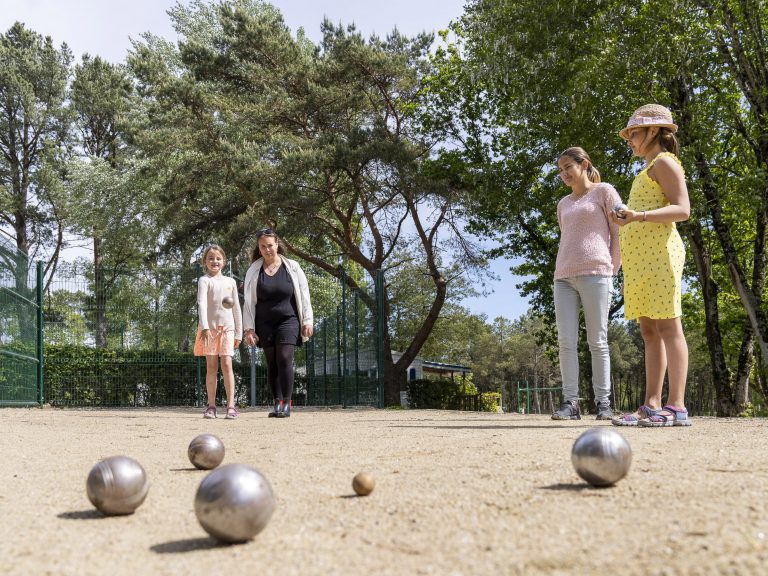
[250, 337]
[307, 331]
[625, 216]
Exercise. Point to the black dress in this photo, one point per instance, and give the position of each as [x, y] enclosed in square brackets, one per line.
[277, 318]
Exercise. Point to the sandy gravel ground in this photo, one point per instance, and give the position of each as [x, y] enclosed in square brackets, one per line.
[457, 494]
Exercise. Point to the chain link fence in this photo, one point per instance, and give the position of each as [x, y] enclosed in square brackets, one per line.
[21, 347]
[124, 337]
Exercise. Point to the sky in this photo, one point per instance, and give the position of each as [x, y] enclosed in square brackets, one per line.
[106, 27]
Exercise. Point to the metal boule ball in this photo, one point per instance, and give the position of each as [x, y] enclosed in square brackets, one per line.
[234, 503]
[363, 484]
[205, 451]
[117, 485]
[601, 456]
[227, 302]
[618, 209]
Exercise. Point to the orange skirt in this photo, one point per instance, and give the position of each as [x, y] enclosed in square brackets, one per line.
[220, 342]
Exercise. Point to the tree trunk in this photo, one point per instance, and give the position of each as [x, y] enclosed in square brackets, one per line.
[721, 374]
[741, 46]
[400, 368]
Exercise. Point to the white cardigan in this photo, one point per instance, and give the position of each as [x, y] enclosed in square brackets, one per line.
[300, 291]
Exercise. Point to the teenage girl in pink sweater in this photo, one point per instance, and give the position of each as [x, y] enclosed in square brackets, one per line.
[587, 259]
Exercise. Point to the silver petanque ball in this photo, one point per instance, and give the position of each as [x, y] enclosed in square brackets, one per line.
[601, 456]
[234, 503]
[618, 209]
[117, 485]
[227, 302]
[205, 451]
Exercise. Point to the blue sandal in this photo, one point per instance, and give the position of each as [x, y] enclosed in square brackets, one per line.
[632, 419]
[676, 417]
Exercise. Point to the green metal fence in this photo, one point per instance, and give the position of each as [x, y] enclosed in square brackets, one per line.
[124, 338]
[21, 328]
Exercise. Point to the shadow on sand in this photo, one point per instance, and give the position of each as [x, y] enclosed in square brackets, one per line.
[187, 545]
[82, 515]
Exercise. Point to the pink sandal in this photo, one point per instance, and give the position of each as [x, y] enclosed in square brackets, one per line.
[210, 412]
[231, 413]
[675, 417]
[632, 420]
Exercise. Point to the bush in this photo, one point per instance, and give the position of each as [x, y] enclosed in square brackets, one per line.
[490, 401]
[440, 394]
[85, 376]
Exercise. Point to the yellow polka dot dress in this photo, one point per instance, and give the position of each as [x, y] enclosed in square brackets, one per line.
[652, 255]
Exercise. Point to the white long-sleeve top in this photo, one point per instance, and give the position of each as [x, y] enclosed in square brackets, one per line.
[300, 291]
[211, 290]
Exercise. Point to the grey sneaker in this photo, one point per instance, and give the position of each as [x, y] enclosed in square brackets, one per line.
[604, 411]
[569, 410]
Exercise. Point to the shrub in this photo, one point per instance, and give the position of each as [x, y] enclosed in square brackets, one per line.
[438, 394]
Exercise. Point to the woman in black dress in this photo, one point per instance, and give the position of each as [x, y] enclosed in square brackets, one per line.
[277, 314]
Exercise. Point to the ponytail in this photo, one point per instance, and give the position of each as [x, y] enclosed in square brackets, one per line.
[578, 155]
[668, 141]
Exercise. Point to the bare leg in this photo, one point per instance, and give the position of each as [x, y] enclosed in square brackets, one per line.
[655, 361]
[211, 374]
[229, 380]
[671, 332]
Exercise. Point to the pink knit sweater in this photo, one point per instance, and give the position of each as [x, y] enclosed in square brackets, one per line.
[589, 242]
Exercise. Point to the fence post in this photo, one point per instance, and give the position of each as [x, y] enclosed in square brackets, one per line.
[253, 375]
[338, 354]
[40, 320]
[357, 359]
[325, 361]
[528, 396]
[379, 288]
[343, 338]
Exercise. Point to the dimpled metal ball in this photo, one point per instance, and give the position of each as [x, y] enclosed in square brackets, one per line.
[117, 485]
[601, 456]
[234, 503]
[363, 484]
[205, 452]
[227, 302]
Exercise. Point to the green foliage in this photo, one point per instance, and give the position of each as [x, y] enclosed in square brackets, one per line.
[35, 123]
[250, 126]
[438, 393]
[490, 401]
[86, 376]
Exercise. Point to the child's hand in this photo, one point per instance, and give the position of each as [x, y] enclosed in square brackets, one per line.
[237, 343]
[307, 331]
[251, 338]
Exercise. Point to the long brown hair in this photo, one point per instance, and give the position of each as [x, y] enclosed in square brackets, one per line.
[578, 155]
[256, 253]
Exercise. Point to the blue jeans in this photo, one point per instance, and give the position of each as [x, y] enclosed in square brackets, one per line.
[593, 293]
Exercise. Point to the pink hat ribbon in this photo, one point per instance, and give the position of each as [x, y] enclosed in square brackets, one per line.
[646, 120]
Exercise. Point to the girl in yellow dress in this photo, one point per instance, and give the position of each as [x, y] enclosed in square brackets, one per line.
[653, 255]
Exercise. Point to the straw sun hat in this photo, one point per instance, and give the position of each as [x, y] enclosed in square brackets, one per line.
[649, 115]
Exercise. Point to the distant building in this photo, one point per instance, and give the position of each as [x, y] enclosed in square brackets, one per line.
[366, 364]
